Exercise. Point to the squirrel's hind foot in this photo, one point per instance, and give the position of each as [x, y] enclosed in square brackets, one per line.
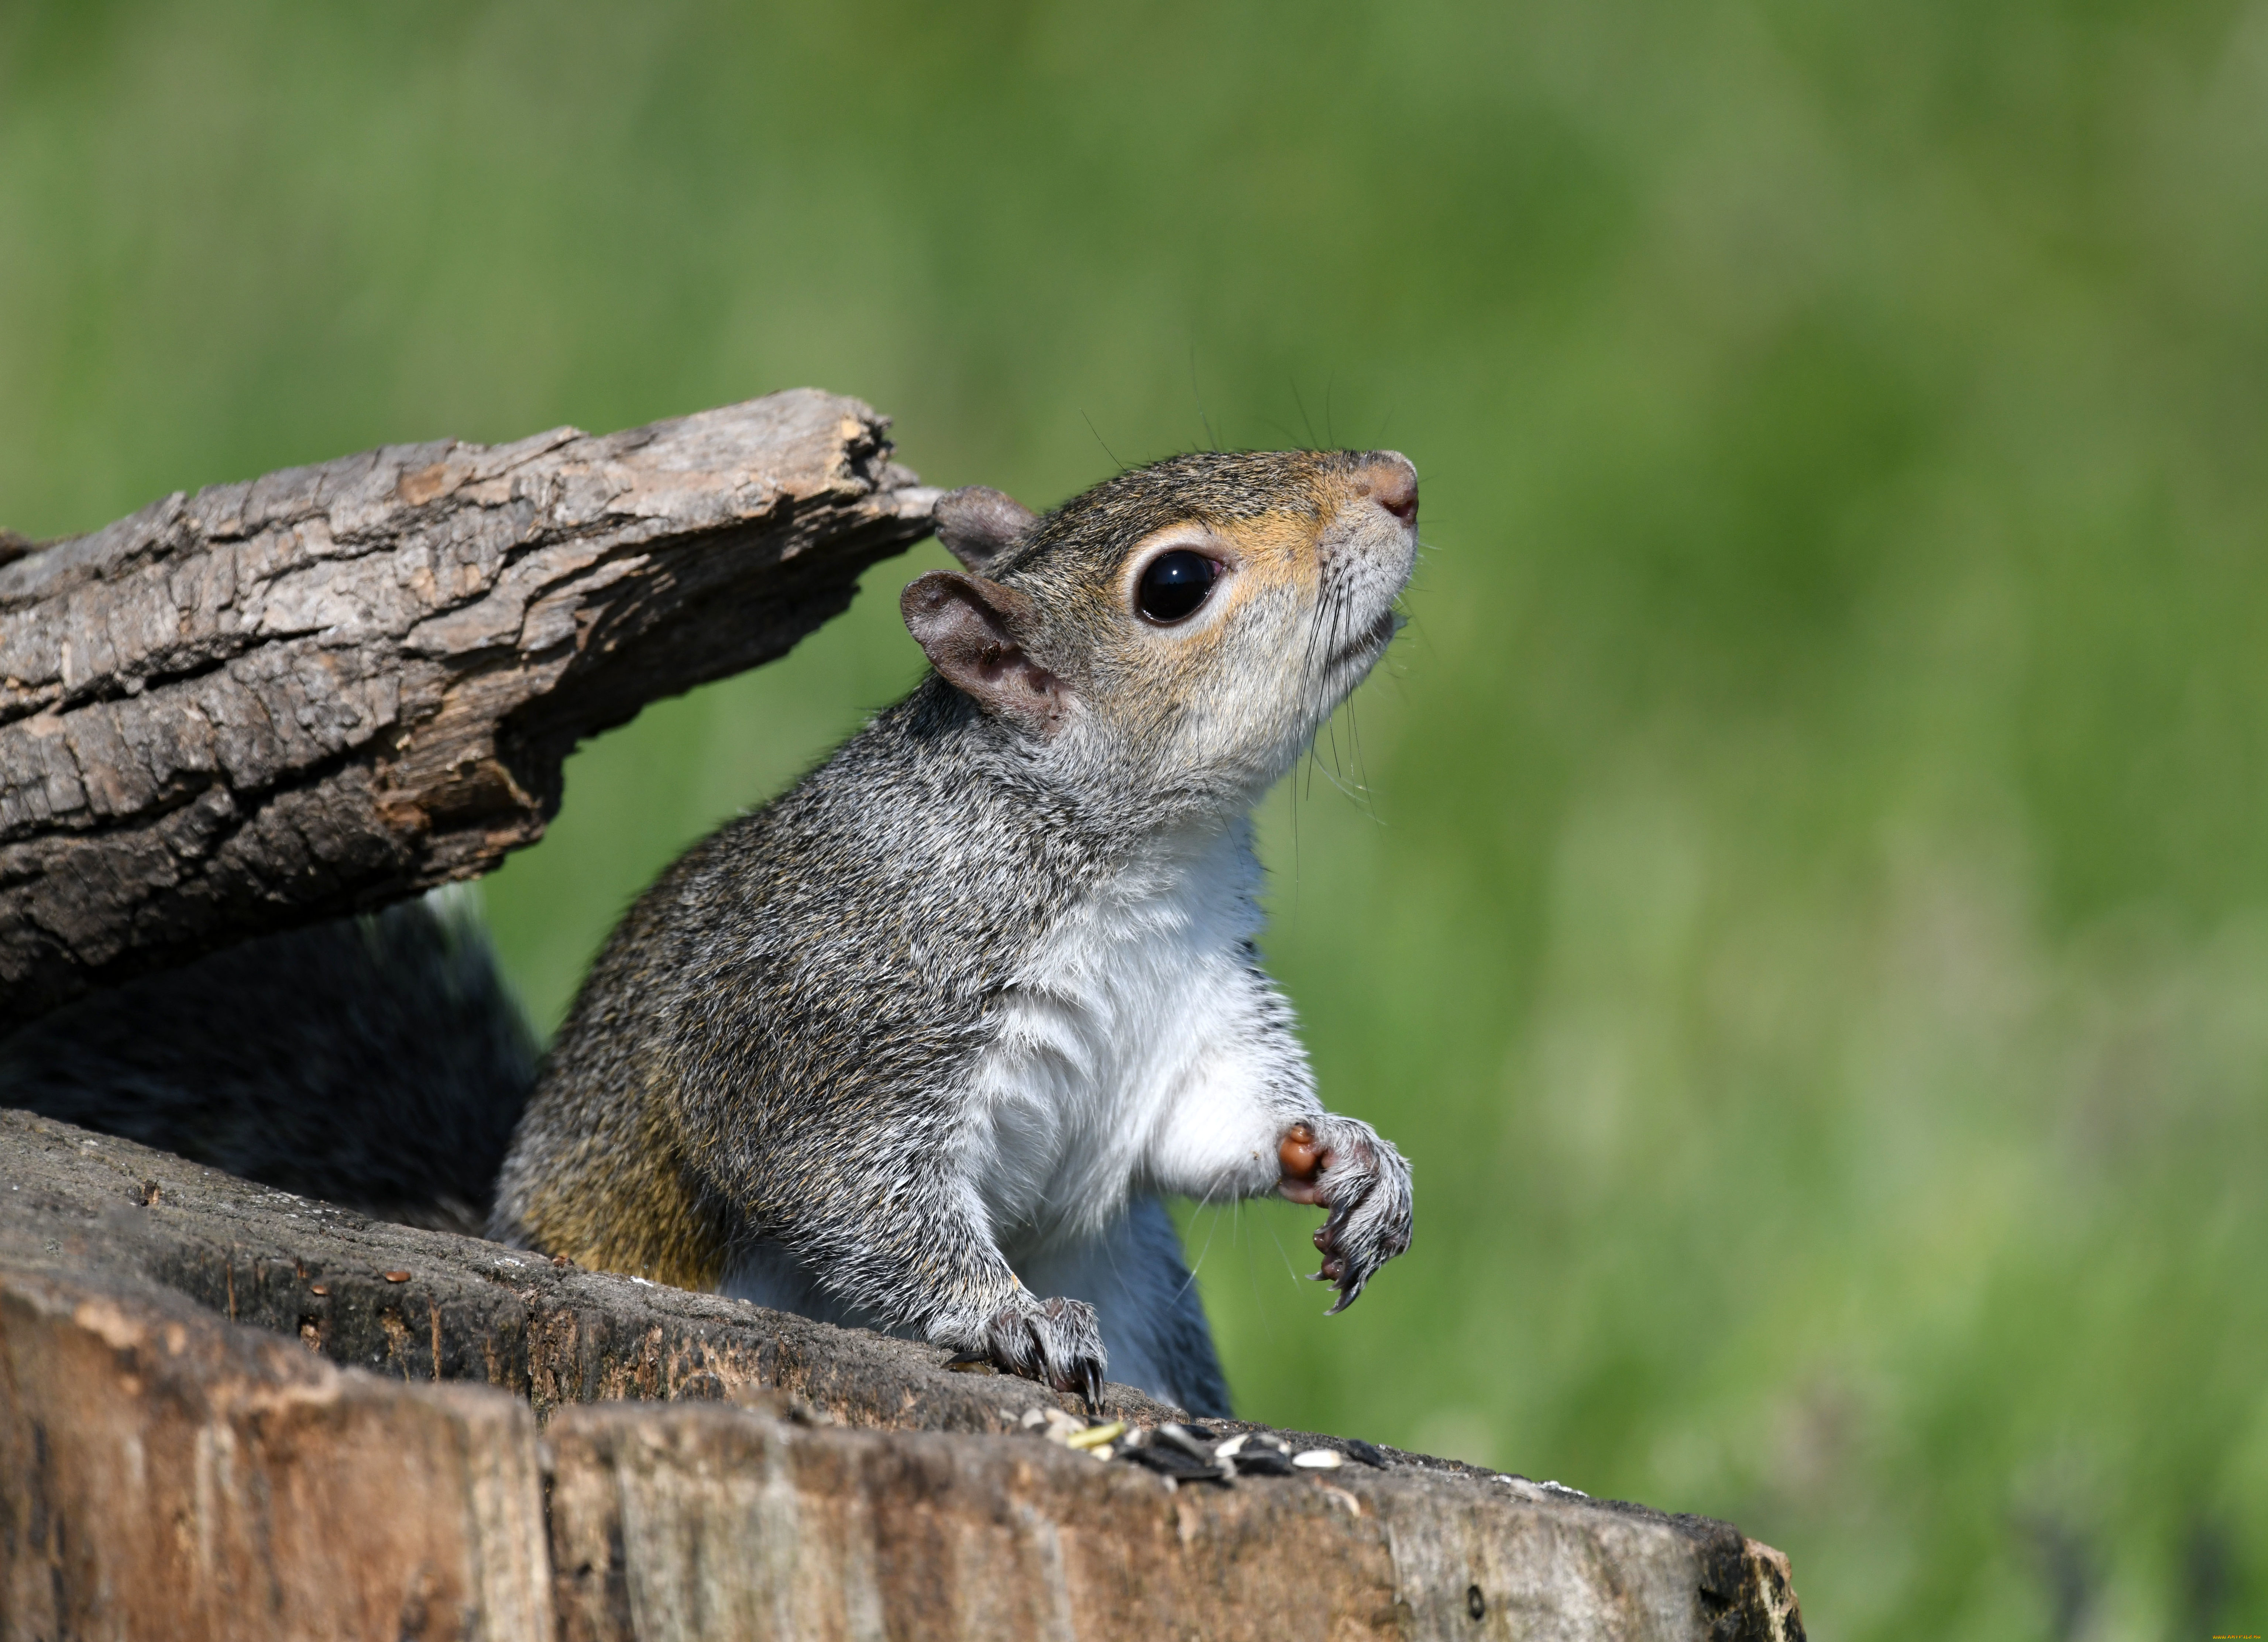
[1057, 1342]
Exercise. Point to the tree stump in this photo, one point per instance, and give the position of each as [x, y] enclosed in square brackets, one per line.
[229, 1412]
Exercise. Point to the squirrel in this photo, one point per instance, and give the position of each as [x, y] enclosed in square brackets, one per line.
[922, 1044]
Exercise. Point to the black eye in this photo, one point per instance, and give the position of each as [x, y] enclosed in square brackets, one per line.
[1174, 584]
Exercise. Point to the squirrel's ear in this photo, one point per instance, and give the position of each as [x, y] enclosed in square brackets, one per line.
[973, 632]
[977, 524]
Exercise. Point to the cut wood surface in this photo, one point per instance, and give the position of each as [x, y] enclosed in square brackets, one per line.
[228, 1411]
[315, 692]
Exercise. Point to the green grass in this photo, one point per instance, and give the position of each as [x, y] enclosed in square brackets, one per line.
[1803, 903]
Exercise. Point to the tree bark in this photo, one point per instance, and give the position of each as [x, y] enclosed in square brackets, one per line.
[316, 692]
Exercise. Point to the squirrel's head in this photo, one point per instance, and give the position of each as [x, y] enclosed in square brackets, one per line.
[1182, 630]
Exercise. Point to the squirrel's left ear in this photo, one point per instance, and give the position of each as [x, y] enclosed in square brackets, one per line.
[974, 633]
[977, 524]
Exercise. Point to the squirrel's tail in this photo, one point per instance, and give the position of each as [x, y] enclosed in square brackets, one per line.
[377, 1062]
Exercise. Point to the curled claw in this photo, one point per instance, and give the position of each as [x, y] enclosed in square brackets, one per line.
[1343, 1165]
[1057, 1342]
[1090, 1389]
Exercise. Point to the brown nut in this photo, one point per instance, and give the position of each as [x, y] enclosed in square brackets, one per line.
[1299, 1155]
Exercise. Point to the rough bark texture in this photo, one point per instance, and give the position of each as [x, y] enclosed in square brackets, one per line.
[327, 688]
[707, 1467]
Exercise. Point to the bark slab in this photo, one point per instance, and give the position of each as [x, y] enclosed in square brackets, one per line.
[228, 1412]
[315, 692]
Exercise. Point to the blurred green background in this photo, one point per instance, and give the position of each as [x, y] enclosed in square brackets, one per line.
[1798, 890]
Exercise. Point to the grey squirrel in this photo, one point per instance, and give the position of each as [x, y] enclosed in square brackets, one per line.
[922, 1043]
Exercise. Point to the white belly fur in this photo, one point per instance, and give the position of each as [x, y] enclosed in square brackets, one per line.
[1105, 1030]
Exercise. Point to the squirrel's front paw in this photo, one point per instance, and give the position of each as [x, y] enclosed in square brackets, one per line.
[1343, 1165]
[1057, 1342]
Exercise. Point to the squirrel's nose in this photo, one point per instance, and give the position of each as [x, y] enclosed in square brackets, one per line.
[1394, 484]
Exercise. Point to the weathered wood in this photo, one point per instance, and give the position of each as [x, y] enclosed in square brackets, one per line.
[315, 692]
[689, 1522]
[165, 1471]
[419, 1306]
[162, 1476]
